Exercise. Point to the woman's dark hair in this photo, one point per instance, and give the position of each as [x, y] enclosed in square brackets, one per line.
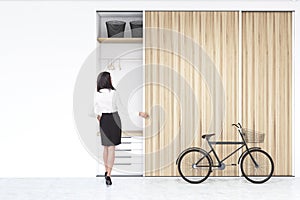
[104, 81]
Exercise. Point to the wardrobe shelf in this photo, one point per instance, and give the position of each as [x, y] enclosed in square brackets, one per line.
[132, 133]
[120, 40]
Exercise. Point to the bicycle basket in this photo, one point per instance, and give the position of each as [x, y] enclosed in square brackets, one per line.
[252, 136]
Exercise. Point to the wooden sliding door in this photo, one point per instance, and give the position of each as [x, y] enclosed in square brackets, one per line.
[187, 53]
[267, 82]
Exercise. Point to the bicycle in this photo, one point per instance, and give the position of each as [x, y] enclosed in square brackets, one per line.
[195, 164]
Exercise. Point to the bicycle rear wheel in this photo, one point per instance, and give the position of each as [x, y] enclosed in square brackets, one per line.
[194, 166]
[261, 172]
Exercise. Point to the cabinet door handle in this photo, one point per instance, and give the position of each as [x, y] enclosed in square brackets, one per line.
[123, 156]
[123, 149]
[122, 164]
[126, 142]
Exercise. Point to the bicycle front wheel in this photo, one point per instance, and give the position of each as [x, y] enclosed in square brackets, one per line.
[194, 166]
[257, 167]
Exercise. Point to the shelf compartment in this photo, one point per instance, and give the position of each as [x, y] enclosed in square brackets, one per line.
[120, 40]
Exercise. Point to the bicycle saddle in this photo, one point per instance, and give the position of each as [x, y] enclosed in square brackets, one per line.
[207, 135]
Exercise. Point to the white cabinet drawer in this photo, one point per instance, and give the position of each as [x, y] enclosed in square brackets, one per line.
[130, 159]
[129, 152]
[130, 145]
[135, 139]
[129, 168]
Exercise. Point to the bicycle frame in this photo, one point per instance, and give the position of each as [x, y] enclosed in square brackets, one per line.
[242, 143]
[223, 143]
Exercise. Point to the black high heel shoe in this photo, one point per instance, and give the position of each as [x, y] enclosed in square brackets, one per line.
[108, 180]
[105, 175]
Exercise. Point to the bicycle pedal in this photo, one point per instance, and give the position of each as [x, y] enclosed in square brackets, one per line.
[233, 164]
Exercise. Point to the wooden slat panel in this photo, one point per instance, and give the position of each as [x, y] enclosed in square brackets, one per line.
[267, 94]
[217, 34]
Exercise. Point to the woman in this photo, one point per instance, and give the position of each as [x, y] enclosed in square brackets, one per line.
[106, 109]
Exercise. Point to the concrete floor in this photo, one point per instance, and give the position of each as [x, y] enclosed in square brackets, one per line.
[146, 188]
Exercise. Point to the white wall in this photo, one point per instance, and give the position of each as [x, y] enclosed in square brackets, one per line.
[42, 47]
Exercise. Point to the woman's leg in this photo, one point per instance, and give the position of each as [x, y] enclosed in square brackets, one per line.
[105, 156]
[110, 159]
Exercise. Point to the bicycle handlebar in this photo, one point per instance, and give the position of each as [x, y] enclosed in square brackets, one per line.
[235, 125]
[238, 125]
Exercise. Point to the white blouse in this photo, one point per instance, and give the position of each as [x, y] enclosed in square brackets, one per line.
[105, 101]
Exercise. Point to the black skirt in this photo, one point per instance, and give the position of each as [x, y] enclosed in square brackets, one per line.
[110, 129]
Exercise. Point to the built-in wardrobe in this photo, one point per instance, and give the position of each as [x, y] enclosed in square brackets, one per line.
[203, 71]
